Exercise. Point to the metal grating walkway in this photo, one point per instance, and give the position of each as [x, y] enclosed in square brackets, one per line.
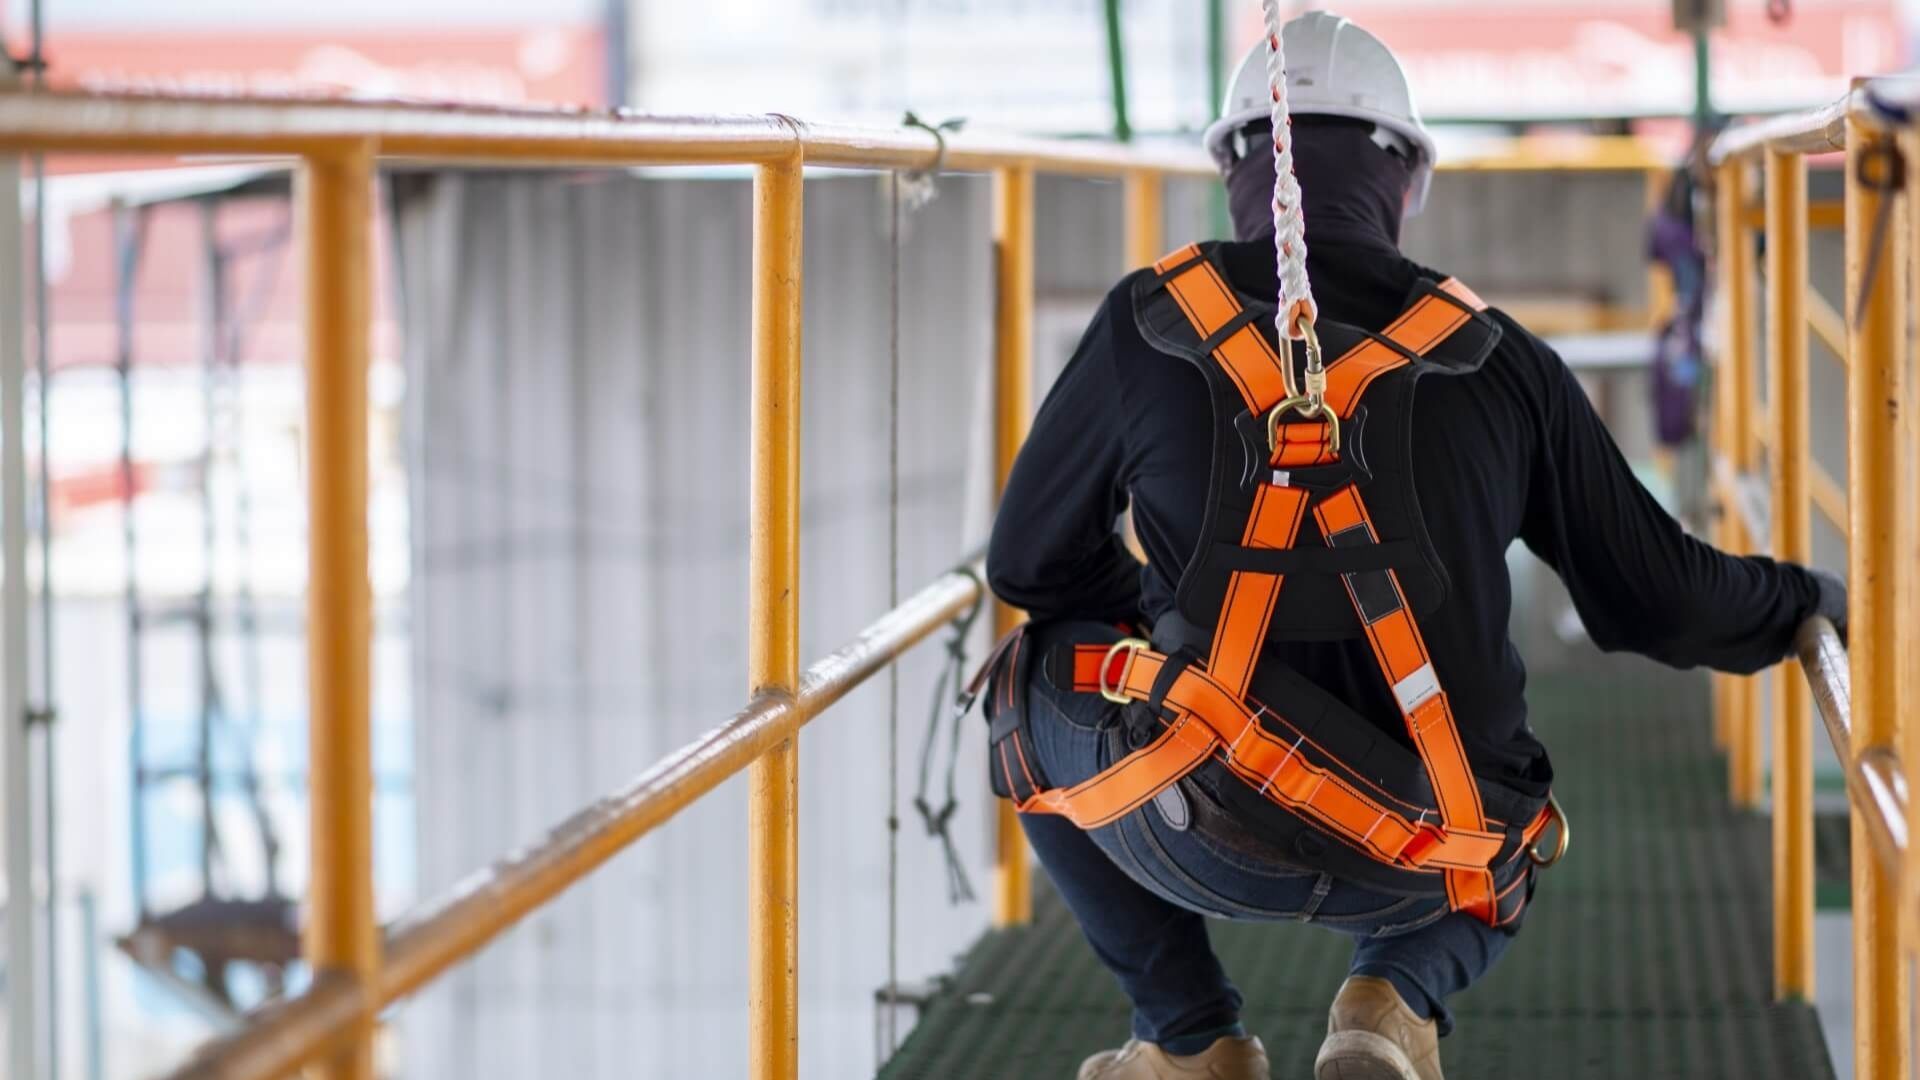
[1647, 955]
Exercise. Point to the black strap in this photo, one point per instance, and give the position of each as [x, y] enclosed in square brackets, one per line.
[1392, 555]
[1170, 671]
[1244, 319]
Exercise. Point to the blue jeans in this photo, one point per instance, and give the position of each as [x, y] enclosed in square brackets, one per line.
[1141, 889]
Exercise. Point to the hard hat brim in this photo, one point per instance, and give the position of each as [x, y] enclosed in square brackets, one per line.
[1218, 138]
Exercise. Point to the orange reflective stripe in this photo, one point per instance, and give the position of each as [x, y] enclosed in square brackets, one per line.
[1455, 288]
[1392, 830]
[1209, 304]
[1255, 369]
[1242, 629]
[1175, 258]
[1402, 654]
[1301, 445]
[1207, 301]
[1419, 328]
[1131, 781]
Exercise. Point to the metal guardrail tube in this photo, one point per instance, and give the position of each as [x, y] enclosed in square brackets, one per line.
[59, 120]
[342, 932]
[1813, 131]
[906, 148]
[1012, 413]
[1825, 661]
[773, 622]
[282, 1036]
[1878, 789]
[1791, 512]
[1884, 788]
[1877, 556]
[69, 121]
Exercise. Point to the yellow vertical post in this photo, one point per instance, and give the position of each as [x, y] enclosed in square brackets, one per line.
[342, 938]
[1909, 568]
[1012, 411]
[1726, 206]
[1792, 539]
[773, 618]
[1736, 267]
[1655, 181]
[1145, 216]
[1875, 491]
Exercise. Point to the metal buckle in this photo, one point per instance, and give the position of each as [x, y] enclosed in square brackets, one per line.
[1310, 404]
[1307, 407]
[1133, 645]
[1560, 848]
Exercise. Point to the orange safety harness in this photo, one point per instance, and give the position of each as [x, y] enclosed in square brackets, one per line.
[1295, 750]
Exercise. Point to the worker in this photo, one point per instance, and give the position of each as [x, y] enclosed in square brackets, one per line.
[1163, 778]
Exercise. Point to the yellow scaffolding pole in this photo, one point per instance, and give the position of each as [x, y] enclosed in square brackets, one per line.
[1012, 412]
[1146, 213]
[1874, 403]
[1907, 740]
[342, 936]
[1786, 197]
[773, 649]
[1737, 703]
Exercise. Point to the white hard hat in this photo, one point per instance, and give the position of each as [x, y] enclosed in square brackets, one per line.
[1334, 68]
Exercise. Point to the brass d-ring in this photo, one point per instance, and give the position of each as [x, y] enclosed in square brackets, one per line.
[1307, 408]
[1133, 645]
[1560, 846]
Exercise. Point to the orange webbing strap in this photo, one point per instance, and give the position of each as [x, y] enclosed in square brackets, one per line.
[1131, 781]
[1402, 655]
[1209, 718]
[1419, 328]
[1248, 608]
[1209, 304]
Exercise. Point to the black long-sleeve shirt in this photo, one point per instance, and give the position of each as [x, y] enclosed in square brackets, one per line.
[1514, 450]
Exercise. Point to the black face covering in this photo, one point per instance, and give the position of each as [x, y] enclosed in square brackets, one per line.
[1350, 185]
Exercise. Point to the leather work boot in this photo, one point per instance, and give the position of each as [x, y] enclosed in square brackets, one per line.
[1373, 1035]
[1227, 1059]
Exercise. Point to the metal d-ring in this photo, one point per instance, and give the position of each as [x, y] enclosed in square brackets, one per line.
[1308, 408]
[1313, 402]
[1560, 847]
[1133, 645]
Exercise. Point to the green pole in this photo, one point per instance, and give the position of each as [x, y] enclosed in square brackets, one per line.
[1117, 68]
[1702, 78]
[1216, 92]
[1216, 53]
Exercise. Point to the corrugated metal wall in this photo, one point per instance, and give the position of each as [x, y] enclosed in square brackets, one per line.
[577, 366]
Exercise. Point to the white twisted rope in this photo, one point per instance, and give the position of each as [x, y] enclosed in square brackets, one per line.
[1289, 224]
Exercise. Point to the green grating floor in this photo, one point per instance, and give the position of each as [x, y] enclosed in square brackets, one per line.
[1646, 955]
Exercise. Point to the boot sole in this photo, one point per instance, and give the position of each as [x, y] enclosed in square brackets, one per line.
[1362, 1055]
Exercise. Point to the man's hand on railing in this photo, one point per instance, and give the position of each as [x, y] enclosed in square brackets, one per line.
[1833, 600]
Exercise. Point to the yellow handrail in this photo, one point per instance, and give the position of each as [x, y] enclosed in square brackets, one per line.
[1864, 696]
[65, 121]
[1873, 778]
[428, 940]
